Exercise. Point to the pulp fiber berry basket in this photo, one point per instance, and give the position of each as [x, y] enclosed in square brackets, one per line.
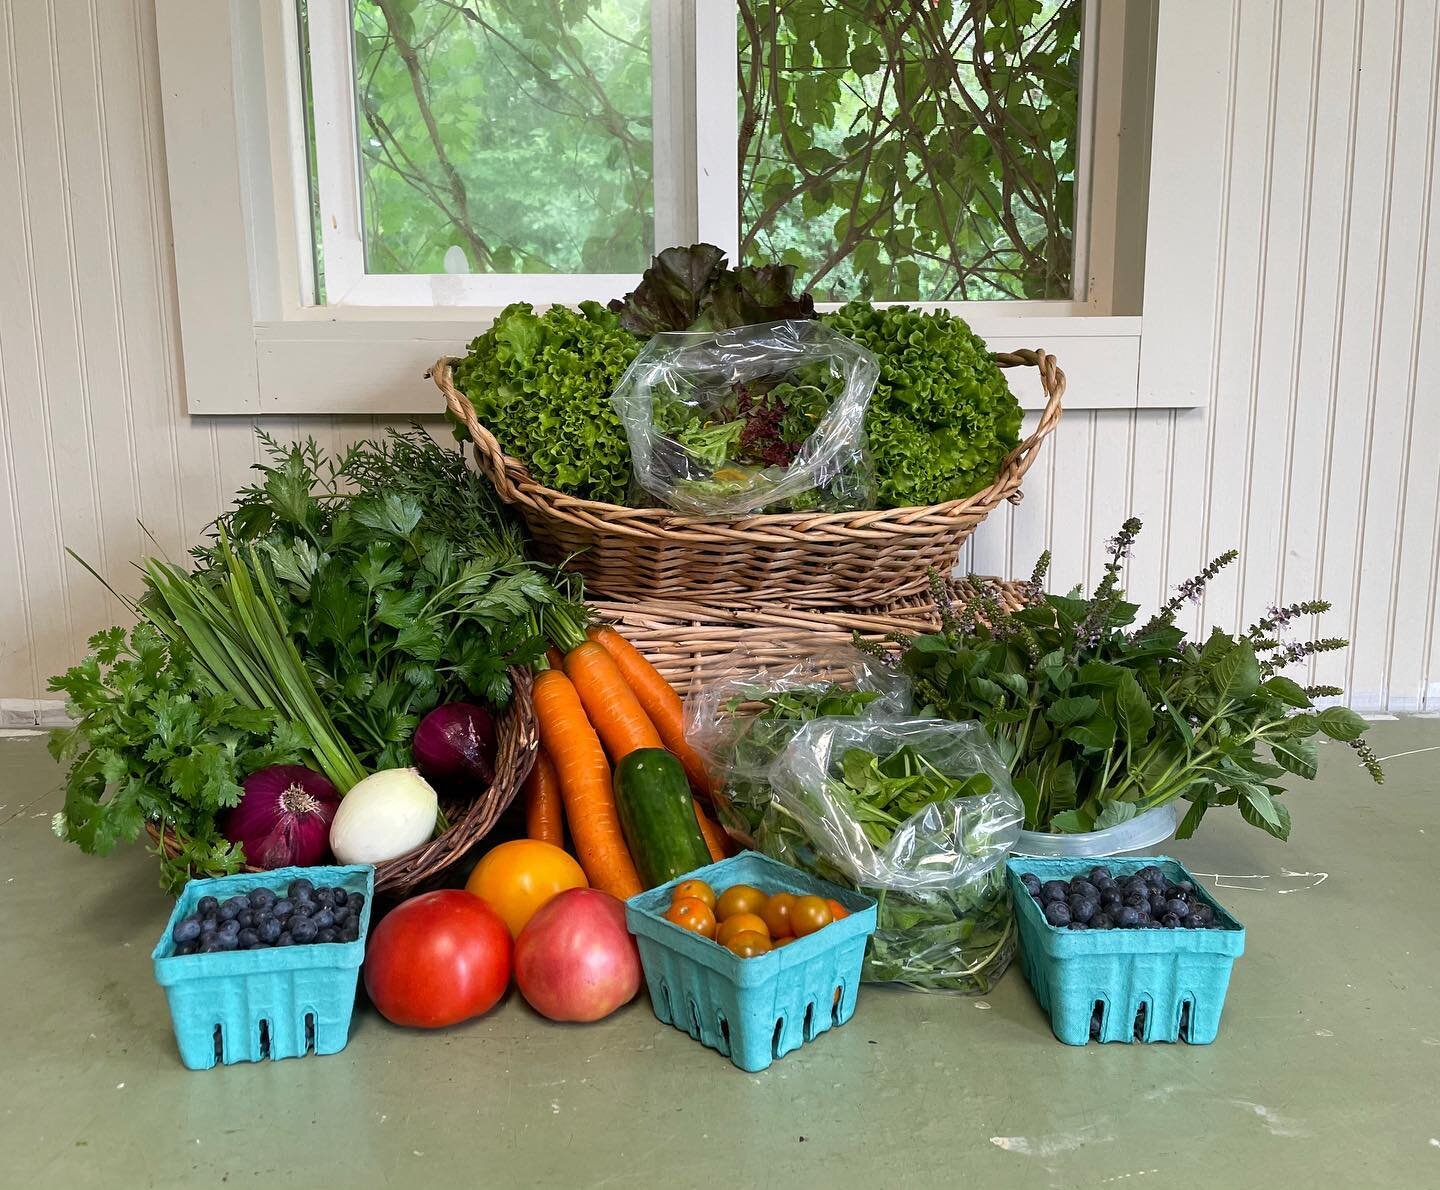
[279, 1002]
[758, 1009]
[1142, 985]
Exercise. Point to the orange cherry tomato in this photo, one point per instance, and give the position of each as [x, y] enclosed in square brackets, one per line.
[748, 943]
[837, 910]
[777, 914]
[785, 941]
[740, 923]
[808, 915]
[691, 913]
[739, 898]
[697, 889]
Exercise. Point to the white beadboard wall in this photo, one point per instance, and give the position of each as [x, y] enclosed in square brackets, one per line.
[1316, 454]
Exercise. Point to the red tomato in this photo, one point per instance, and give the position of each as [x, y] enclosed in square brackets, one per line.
[437, 960]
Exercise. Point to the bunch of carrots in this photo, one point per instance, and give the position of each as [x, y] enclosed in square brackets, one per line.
[597, 703]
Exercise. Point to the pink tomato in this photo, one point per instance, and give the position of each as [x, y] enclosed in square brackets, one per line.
[575, 960]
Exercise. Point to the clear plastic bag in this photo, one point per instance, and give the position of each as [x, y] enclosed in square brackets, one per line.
[918, 813]
[767, 417]
[742, 721]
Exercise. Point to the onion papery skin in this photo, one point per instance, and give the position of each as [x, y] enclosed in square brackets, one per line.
[283, 817]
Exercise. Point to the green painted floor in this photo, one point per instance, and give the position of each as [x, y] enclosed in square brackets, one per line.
[1326, 1068]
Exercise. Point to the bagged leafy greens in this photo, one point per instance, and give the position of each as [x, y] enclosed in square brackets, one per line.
[768, 417]
[919, 814]
[742, 721]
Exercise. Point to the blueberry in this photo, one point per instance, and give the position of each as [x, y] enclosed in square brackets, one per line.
[230, 910]
[269, 931]
[341, 896]
[1102, 921]
[355, 902]
[1077, 925]
[300, 888]
[1057, 913]
[187, 929]
[1192, 923]
[303, 929]
[211, 944]
[283, 907]
[1185, 887]
[1083, 888]
[1149, 873]
[247, 939]
[324, 919]
[207, 907]
[285, 940]
[228, 941]
[1170, 921]
[1128, 918]
[1028, 879]
[325, 896]
[1054, 890]
[246, 918]
[328, 935]
[1136, 900]
[342, 917]
[350, 933]
[303, 908]
[1082, 908]
[1098, 874]
[262, 898]
[208, 925]
[1202, 913]
[1177, 908]
[231, 929]
[186, 947]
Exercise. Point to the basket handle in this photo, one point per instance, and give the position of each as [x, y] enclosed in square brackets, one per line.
[502, 471]
[1052, 380]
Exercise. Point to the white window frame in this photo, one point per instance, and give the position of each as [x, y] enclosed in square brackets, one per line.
[254, 343]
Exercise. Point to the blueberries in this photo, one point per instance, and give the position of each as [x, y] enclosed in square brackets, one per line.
[1185, 887]
[1054, 890]
[1170, 921]
[229, 931]
[325, 896]
[262, 898]
[1028, 879]
[269, 931]
[303, 908]
[211, 944]
[1177, 908]
[1078, 925]
[186, 947]
[207, 907]
[324, 919]
[342, 917]
[1137, 901]
[232, 908]
[1083, 888]
[283, 907]
[341, 896]
[1201, 914]
[1128, 917]
[1082, 909]
[1192, 923]
[208, 925]
[355, 902]
[301, 889]
[303, 929]
[1101, 921]
[247, 939]
[350, 933]
[1057, 913]
[246, 918]
[285, 940]
[1111, 898]
[1098, 874]
[327, 935]
[187, 929]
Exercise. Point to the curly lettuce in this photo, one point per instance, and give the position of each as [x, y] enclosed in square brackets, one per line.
[541, 383]
[942, 418]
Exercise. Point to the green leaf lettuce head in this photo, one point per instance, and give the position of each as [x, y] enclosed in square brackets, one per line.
[541, 383]
[942, 417]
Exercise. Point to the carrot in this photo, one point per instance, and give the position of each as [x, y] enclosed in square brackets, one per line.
[543, 813]
[609, 702]
[584, 778]
[660, 701]
[716, 840]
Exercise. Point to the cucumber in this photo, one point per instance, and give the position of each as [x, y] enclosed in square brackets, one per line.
[658, 817]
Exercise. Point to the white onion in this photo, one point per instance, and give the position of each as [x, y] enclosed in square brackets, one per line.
[383, 816]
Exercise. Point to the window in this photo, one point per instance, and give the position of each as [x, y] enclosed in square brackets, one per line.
[383, 175]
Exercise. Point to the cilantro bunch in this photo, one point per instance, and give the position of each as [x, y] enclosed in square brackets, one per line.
[942, 417]
[541, 383]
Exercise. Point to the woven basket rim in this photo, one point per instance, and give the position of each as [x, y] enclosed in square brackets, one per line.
[514, 483]
[517, 743]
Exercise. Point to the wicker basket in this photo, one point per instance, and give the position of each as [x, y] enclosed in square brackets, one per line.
[518, 739]
[846, 559]
[688, 642]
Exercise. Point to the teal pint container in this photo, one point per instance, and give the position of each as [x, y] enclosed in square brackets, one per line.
[278, 1002]
[759, 1009]
[1145, 985]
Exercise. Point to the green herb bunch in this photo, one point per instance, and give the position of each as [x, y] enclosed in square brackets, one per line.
[942, 417]
[541, 383]
[1099, 721]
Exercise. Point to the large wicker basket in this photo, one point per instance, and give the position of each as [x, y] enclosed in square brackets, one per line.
[689, 642]
[846, 559]
[470, 821]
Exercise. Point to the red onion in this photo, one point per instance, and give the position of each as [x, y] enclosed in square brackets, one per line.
[283, 817]
[455, 746]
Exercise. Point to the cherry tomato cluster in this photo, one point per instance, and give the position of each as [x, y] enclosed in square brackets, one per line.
[745, 920]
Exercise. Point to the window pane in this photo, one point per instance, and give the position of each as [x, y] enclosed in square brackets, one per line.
[919, 150]
[505, 136]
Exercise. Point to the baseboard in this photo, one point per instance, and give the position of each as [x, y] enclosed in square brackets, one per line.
[21, 713]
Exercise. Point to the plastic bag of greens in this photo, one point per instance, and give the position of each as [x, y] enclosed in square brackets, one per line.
[918, 813]
[741, 720]
[767, 417]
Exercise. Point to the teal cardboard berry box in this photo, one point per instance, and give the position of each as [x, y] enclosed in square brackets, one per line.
[1146, 984]
[280, 1002]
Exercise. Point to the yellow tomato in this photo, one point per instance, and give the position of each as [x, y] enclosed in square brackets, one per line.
[739, 898]
[777, 914]
[837, 910]
[740, 923]
[694, 888]
[747, 944]
[691, 913]
[516, 878]
[808, 915]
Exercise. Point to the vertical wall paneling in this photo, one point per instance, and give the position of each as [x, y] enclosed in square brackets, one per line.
[1315, 452]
